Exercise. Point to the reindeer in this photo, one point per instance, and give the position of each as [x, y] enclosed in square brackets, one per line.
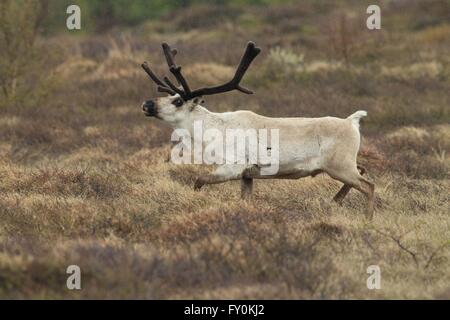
[307, 146]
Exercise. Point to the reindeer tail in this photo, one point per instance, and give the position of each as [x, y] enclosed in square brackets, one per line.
[354, 118]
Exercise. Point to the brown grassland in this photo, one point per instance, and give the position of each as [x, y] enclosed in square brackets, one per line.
[84, 176]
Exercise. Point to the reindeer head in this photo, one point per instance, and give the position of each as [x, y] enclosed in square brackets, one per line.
[181, 100]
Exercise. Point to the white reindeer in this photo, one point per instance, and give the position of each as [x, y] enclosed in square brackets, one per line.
[307, 146]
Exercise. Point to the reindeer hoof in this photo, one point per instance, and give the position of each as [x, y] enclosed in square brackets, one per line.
[198, 184]
[338, 200]
[246, 195]
[369, 215]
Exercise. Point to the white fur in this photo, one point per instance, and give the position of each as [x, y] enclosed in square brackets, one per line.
[306, 144]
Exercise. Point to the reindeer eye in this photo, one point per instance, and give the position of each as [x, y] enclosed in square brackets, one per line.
[178, 102]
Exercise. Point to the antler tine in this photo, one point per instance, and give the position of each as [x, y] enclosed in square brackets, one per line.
[167, 90]
[161, 86]
[176, 70]
[250, 54]
[174, 87]
[151, 74]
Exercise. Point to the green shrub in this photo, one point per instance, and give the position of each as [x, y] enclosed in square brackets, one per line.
[283, 63]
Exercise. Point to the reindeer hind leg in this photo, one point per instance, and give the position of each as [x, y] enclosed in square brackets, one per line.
[342, 193]
[353, 179]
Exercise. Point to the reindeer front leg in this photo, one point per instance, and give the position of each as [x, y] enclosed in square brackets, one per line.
[246, 187]
[227, 173]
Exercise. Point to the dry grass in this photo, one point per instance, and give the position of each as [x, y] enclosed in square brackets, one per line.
[84, 178]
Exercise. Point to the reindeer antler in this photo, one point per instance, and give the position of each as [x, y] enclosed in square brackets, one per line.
[161, 86]
[186, 93]
[234, 84]
[176, 70]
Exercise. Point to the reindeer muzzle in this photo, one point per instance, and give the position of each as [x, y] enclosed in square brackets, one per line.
[149, 109]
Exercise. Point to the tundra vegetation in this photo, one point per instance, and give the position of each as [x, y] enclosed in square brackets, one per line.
[84, 176]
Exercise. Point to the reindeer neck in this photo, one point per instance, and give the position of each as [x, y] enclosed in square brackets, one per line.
[198, 114]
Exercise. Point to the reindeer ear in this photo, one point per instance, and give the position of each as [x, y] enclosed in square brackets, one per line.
[199, 101]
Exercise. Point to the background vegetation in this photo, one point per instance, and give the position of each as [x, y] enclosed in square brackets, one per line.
[84, 177]
[102, 15]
